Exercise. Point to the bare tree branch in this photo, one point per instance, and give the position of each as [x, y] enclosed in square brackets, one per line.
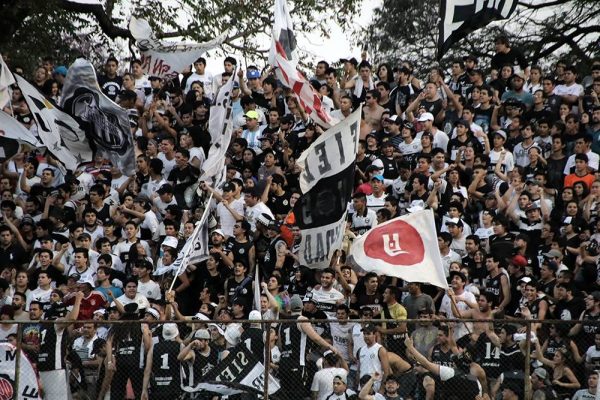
[104, 20]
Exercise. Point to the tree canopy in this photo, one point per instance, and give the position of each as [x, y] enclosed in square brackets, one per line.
[63, 29]
[407, 30]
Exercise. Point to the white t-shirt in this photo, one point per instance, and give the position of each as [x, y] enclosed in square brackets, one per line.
[139, 299]
[252, 213]
[226, 219]
[461, 329]
[593, 161]
[150, 289]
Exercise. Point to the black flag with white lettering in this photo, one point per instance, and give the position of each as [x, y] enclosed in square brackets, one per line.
[240, 372]
[326, 182]
[458, 18]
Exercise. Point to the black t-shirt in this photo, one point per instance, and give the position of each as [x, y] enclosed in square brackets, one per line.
[110, 86]
[433, 107]
[279, 204]
[514, 57]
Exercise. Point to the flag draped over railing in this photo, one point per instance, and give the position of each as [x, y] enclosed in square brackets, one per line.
[458, 18]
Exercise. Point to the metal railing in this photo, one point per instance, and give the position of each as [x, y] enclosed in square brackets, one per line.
[265, 387]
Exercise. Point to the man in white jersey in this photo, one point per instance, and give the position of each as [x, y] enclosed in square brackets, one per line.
[325, 297]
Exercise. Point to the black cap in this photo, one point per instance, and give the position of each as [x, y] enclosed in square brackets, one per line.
[127, 95]
[369, 328]
[166, 188]
[459, 274]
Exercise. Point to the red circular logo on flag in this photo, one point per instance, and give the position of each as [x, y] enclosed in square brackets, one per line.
[6, 389]
[397, 243]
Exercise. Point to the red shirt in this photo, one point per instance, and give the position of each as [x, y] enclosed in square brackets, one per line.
[88, 305]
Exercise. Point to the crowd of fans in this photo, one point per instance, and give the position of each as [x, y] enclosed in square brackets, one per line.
[506, 157]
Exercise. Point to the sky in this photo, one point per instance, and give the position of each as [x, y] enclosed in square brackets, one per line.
[330, 49]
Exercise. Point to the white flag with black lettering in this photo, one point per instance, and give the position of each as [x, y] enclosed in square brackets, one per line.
[458, 18]
[220, 127]
[57, 130]
[166, 58]
[106, 123]
[326, 182]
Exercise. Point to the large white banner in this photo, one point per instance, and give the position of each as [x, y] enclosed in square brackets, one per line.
[58, 131]
[166, 58]
[405, 247]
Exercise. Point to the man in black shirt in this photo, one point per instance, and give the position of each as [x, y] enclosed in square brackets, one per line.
[110, 82]
[182, 175]
[505, 54]
[279, 199]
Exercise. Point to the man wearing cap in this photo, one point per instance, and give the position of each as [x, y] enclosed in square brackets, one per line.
[164, 199]
[340, 389]
[162, 376]
[455, 228]
[376, 200]
[541, 386]
[322, 383]
[199, 357]
[92, 300]
[440, 139]
[255, 206]
[146, 286]
[517, 91]
[253, 131]
[499, 155]
[229, 209]
[462, 298]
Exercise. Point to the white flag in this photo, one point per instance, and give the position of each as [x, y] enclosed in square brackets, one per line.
[28, 384]
[166, 58]
[195, 249]
[405, 247]
[283, 33]
[220, 127]
[15, 137]
[58, 131]
[6, 79]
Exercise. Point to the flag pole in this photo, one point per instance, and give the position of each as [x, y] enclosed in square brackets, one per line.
[188, 249]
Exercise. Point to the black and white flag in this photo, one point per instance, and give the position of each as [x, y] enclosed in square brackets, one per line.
[458, 18]
[194, 250]
[57, 130]
[220, 127]
[326, 182]
[106, 124]
[240, 372]
[14, 137]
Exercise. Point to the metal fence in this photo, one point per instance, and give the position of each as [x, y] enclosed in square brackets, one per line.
[217, 359]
